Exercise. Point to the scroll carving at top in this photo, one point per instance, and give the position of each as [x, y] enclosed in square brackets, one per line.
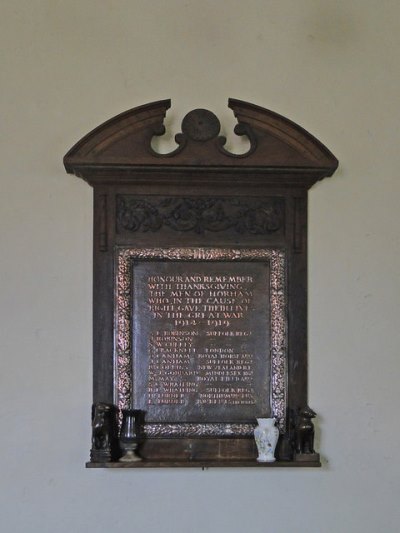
[202, 126]
[277, 145]
[255, 216]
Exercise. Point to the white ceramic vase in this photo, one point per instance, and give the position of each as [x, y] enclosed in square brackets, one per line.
[266, 436]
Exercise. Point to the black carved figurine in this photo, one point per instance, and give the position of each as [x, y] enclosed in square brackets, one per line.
[103, 432]
[304, 431]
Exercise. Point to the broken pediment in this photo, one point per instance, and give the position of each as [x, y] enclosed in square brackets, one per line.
[277, 145]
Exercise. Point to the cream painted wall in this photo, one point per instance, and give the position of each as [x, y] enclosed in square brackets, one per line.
[333, 67]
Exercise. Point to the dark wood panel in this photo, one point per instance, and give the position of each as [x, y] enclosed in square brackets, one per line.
[200, 203]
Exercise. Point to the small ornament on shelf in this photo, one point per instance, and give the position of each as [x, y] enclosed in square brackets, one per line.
[266, 436]
[129, 436]
[104, 433]
[304, 435]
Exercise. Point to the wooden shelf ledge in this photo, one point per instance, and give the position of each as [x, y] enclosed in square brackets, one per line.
[205, 464]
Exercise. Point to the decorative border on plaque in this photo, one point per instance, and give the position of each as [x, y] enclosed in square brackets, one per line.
[123, 379]
[199, 430]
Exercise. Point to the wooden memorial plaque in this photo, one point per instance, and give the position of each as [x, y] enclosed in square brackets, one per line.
[199, 283]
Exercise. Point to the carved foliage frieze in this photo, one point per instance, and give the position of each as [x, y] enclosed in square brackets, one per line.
[255, 216]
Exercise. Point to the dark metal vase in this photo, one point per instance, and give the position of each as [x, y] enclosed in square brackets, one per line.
[129, 435]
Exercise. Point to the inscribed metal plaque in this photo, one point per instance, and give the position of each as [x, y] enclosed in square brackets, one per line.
[127, 375]
[201, 340]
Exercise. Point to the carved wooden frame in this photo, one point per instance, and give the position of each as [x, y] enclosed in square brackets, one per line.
[199, 200]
